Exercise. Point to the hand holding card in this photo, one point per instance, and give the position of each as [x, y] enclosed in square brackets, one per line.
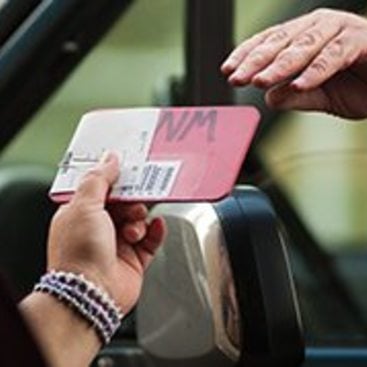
[168, 154]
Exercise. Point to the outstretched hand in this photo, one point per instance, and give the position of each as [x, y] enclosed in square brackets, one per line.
[111, 246]
[315, 62]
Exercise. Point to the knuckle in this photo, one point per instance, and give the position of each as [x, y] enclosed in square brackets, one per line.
[92, 178]
[308, 39]
[278, 35]
[280, 72]
[336, 48]
[76, 211]
[353, 21]
[273, 29]
[257, 58]
[235, 55]
[323, 12]
[286, 60]
[320, 65]
[62, 215]
[93, 174]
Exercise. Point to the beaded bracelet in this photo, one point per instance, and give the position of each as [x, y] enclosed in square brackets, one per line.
[89, 301]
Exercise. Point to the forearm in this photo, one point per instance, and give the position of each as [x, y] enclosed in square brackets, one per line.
[65, 337]
[97, 258]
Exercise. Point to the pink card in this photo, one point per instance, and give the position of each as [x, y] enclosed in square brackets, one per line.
[168, 154]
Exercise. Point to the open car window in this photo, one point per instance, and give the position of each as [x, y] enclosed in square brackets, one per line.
[316, 177]
[41, 44]
[312, 166]
[130, 67]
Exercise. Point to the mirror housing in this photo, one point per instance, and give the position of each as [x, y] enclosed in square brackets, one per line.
[220, 291]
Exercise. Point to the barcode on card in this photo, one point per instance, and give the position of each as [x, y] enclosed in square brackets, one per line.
[156, 180]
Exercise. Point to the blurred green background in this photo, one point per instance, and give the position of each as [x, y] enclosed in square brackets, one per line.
[320, 160]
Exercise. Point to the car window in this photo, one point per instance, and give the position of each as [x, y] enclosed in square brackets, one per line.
[317, 160]
[314, 168]
[130, 65]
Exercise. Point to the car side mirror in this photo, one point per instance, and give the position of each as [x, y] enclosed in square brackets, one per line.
[220, 291]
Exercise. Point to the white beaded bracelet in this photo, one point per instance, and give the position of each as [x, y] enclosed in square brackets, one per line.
[89, 301]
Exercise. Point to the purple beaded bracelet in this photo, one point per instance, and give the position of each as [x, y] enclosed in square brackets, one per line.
[89, 301]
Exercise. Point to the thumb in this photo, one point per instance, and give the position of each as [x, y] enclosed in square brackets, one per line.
[286, 97]
[97, 182]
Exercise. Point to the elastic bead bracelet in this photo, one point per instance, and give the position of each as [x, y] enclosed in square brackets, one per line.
[89, 301]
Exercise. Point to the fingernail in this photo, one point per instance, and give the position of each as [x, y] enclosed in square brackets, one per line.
[263, 75]
[108, 156]
[238, 78]
[261, 80]
[299, 83]
[227, 66]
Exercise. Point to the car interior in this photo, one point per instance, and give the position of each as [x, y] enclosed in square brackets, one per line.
[59, 59]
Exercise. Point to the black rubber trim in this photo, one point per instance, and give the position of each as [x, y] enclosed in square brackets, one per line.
[270, 325]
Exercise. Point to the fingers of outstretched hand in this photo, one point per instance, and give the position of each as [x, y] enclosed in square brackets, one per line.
[297, 55]
[259, 51]
[340, 53]
[319, 44]
[95, 185]
[237, 56]
[256, 57]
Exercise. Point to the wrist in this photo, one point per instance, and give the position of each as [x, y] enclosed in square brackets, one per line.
[62, 335]
[92, 273]
[122, 287]
[87, 300]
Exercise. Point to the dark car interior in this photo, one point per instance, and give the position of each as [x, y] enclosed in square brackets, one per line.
[42, 42]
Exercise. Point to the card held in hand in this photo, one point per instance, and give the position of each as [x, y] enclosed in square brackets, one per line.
[166, 154]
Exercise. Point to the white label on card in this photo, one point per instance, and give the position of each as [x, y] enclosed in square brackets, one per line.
[156, 180]
[127, 132]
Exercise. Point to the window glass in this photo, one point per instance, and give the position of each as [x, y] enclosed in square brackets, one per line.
[320, 163]
[141, 52]
[316, 158]
[252, 16]
[2, 3]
